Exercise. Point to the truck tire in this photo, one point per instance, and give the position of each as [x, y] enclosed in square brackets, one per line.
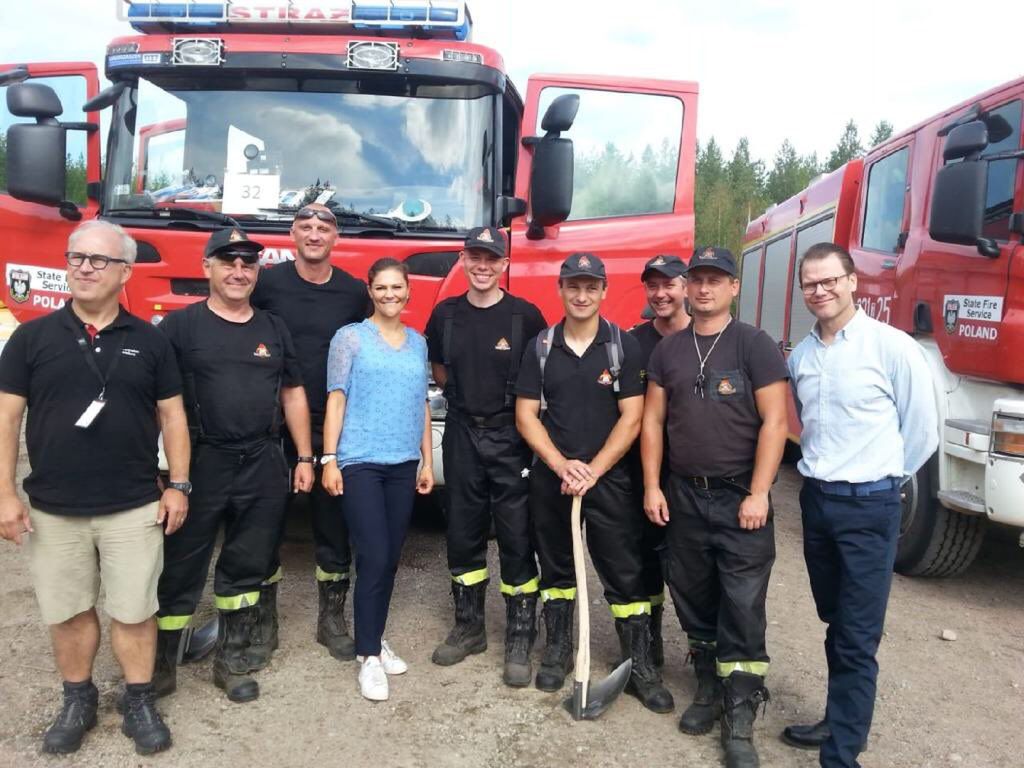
[934, 540]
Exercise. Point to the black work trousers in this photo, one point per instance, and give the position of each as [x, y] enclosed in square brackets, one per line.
[483, 471]
[718, 573]
[245, 488]
[613, 512]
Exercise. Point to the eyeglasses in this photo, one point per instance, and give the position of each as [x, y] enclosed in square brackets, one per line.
[96, 260]
[309, 213]
[828, 284]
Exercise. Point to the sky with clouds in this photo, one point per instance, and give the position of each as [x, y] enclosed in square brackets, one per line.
[767, 69]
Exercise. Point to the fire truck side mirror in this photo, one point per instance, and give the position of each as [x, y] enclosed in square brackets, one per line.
[958, 202]
[551, 182]
[965, 140]
[36, 160]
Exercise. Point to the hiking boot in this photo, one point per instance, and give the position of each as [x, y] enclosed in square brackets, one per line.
[520, 633]
[706, 708]
[469, 634]
[645, 678]
[263, 640]
[331, 629]
[657, 644]
[142, 722]
[165, 666]
[557, 660]
[743, 694]
[230, 664]
[77, 716]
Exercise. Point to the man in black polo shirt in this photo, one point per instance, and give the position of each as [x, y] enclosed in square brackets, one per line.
[664, 279]
[99, 385]
[720, 387]
[580, 399]
[475, 343]
[315, 299]
[239, 371]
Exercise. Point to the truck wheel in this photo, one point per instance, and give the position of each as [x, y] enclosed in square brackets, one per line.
[934, 540]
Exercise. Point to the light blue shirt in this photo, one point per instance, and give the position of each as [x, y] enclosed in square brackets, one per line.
[385, 394]
[867, 403]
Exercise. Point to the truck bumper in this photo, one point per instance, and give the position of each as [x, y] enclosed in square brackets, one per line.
[1004, 475]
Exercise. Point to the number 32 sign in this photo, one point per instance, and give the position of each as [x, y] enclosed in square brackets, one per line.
[250, 192]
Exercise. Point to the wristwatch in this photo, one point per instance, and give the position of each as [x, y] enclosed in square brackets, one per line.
[306, 460]
[328, 457]
[185, 487]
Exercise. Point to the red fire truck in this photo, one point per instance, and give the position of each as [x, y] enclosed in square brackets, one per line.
[223, 112]
[934, 219]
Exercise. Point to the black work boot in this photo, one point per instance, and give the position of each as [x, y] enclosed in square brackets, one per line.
[77, 716]
[263, 640]
[706, 708]
[165, 666]
[743, 694]
[557, 660]
[331, 629]
[657, 644]
[469, 634]
[645, 678]
[230, 664]
[141, 720]
[520, 632]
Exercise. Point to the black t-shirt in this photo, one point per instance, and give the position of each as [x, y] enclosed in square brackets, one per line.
[312, 312]
[582, 406]
[110, 466]
[237, 369]
[483, 348]
[715, 436]
[648, 336]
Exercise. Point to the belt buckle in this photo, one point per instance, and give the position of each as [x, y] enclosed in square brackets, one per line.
[701, 483]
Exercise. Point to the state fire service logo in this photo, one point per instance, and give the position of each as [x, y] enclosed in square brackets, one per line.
[605, 378]
[658, 262]
[952, 314]
[21, 285]
[725, 387]
[583, 263]
[485, 236]
[235, 236]
[502, 345]
[261, 351]
[709, 253]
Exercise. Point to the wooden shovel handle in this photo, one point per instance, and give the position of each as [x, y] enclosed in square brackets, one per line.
[582, 672]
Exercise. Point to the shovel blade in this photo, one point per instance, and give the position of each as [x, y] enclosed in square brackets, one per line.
[600, 695]
[197, 643]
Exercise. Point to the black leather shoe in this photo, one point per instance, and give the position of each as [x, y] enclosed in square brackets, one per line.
[806, 736]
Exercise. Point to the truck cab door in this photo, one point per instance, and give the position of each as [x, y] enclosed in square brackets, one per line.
[35, 235]
[634, 146]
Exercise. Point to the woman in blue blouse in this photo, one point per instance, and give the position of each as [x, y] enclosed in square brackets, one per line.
[378, 417]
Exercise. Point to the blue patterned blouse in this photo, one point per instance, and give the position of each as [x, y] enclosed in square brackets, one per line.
[385, 390]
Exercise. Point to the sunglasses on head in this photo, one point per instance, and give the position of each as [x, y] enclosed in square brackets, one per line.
[309, 213]
[247, 257]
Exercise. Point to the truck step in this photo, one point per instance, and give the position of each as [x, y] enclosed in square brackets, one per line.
[963, 501]
[977, 426]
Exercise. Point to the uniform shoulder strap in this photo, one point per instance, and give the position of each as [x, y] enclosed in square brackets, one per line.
[615, 353]
[543, 342]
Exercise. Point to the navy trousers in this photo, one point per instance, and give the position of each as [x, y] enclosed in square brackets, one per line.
[850, 546]
[377, 503]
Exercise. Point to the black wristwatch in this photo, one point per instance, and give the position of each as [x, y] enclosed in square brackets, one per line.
[306, 460]
[185, 487]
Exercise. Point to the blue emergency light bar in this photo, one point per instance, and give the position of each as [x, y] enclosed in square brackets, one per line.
[447, 19]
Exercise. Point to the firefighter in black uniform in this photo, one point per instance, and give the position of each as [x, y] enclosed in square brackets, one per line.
[239, 370]
[475, 343]
[580, 400]
[315, 299]
[664, 279]
[719, 387]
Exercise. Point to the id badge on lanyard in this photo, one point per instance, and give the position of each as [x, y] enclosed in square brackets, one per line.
[97, 405]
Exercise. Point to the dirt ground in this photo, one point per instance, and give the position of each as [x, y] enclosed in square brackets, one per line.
[940, 702]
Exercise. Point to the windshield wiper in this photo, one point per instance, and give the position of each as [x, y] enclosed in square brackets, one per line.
[174, 214]
[396, 225]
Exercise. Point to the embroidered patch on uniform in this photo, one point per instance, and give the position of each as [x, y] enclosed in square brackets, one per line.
[261, 351]
[583, 262]
[659, 262]
[709, 253]
[502, 345]
[235, 236]
[525, 472]
[127, 352]
[485, 236]
[725, 387]
[605, 378]
[20, 285]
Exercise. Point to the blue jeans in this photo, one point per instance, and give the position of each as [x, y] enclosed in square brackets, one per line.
[849, 547]
[377, 503]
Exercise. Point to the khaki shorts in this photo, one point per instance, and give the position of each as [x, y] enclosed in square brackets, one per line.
[68, 555]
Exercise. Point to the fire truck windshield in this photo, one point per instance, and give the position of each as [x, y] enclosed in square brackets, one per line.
[259, 151]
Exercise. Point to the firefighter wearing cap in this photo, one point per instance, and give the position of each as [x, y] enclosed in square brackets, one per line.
[580, 399]
[718, 390]
[239, 371]
[664, 279]
[475, 344]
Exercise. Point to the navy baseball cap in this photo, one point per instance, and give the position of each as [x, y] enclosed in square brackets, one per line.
[665, 264]
[231, 240]
[490, 239]
[582, 265]
[714, 257]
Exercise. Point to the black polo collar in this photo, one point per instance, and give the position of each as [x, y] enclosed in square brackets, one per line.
[123, 319]
[604, 334]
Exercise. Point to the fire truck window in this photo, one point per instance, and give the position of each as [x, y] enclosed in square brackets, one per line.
[626, 149]
[883, 215]
[800, 319]
[750, 270]
[999, 200]
[773, 290]
[72, 93]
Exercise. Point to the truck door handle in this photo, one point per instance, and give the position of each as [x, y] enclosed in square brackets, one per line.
[889, 264]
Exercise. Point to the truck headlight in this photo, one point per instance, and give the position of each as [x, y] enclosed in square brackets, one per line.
[1008, 435]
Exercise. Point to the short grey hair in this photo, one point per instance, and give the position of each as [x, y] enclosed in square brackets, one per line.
[129, 248]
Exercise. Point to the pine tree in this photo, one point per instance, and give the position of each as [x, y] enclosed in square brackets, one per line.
[882, 132]
[849, 147]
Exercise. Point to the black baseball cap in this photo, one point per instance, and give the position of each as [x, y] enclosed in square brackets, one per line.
[665, 264]
[714, 257]
[582, 265]
[230, 240]
[490, 239]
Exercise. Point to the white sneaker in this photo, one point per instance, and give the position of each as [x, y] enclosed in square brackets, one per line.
[373, 683]
[393, 664]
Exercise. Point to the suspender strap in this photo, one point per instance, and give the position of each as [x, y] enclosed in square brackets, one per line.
[275, 420]
[516, 343]
[614, 349]
[446, 350]
[544, 341]
[188, 376]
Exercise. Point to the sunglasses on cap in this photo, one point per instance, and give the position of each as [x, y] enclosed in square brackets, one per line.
[309, 213]
[247, 256]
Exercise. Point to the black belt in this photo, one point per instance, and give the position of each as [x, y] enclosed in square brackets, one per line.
[703, 483]
[500, 419]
